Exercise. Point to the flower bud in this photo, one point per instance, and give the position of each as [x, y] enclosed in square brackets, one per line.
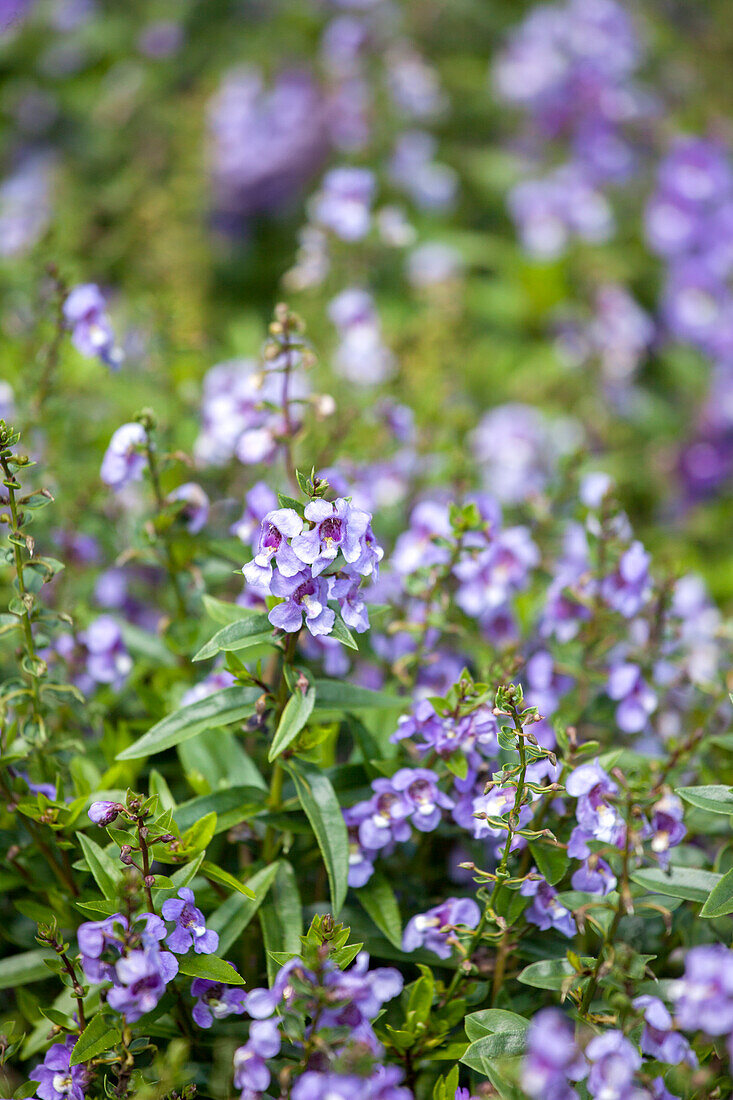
[104, 813]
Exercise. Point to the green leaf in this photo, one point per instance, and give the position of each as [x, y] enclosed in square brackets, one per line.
[720, 898]
[318, 799]
[233, 916]
[248, 800]
[378, 898]
[341, 633]
[23, 969]
[103, 867]
[549, 973]
[491, 1020]
[296, 713]
[281, 916]
[217, 874]
[502, 1044]
[679, 882]
[209, 966]
[223, 612]
[714, 798]
[221, 760]
[97, 1037]
[220, 709]
[241, 634]
[551, 862]
[333, 695]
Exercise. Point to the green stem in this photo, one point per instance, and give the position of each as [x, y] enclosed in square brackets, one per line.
[171, 567]
[277, 780]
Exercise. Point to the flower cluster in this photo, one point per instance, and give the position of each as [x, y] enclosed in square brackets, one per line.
[292, 557]
[91, 333]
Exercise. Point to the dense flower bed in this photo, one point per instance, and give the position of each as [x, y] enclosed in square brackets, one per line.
[364, 718]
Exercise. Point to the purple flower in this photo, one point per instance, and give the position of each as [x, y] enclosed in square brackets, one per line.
[303, 596]
[703, 997]
[614, 1061]
[124, 461]
[489, 578]
[518, 449]
[104, 813]
[190, 930]
[257, 503]
[108, 661]
[659, 1040]
[636, 699]
[356, 996]
[336, 527]
[261, 1003]
[140, 980]
[434, 929]
[546, 911]
[345, 588]
[552, 1059]
[597, 818]
[382, 1085]
[668, 828]
[100, 944]
[276, 528]
[417, 548]
[91, 333]
[627, 590]
[594, 877]
[57, 1080]
[195, 510]
[215, 1001]
[344, 202]
[250, 1070]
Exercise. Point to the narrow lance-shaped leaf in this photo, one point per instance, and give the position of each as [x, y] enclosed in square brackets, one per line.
[238, 635]
[720, 899]
[296, 713]
[103, 867]
[97, 1037]
[318, 799]
[378, 898]
[233, 915]
[221, 709]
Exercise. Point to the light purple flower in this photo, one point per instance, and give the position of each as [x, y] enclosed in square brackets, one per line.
[140, 981]
[627, 589]
[344, 202]
[703, 997]
[190, 925]
[91, 332]
[304, 596]
[426, 929]
[257, 503]
[215, 1001]
[594, 877]
[635, 698]
[546, 911]
[57, 1080]
[107, 658]
[668, 828]
[614, 1062]
[337, 526]
[195, 511]
[345, 588]
[124, 459]
[597, 817]
[659, 1040]
[552, 1060]
[100, 944]
[275, 530]
[250, 1070]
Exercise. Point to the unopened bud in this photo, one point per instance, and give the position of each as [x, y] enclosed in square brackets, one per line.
[104, 813]
[126, 854]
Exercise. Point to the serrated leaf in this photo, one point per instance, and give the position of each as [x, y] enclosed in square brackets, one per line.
[241, 634]
[97, 1037]
[209, 966]
[224, 878]
[321, 806]
[378, 899]
[103, 868]
[295, 715]
[220, 709]
[689, 883]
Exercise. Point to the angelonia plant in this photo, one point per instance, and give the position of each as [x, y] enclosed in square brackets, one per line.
[445, 816]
